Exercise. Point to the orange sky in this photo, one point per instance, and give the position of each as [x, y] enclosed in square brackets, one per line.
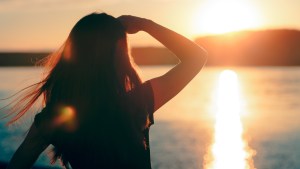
[34, 25]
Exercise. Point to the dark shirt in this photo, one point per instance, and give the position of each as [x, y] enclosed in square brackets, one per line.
[76, 151]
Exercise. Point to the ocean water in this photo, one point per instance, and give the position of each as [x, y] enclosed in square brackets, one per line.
[184, 132]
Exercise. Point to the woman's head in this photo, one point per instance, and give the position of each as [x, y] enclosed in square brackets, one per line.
[94, 38]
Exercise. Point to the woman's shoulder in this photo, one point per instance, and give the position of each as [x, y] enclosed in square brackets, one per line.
[142, 97]
[141, 90]
[141, 94]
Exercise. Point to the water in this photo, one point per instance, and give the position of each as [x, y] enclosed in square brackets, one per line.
[184, 131]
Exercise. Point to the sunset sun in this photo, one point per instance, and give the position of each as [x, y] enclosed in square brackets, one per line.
[217, 17]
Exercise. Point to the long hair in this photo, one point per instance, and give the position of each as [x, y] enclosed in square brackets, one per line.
[90, 74]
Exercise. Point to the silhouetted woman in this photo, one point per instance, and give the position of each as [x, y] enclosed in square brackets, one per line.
[97, 111]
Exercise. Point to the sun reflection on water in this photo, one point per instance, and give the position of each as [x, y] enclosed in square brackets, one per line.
[229, 150]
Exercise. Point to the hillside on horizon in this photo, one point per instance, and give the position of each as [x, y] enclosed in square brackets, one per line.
[277, 47]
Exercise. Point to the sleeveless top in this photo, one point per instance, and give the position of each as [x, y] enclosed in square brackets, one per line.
[77, 154]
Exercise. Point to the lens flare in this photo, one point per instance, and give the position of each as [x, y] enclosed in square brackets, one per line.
[66, 118]
[229, 150]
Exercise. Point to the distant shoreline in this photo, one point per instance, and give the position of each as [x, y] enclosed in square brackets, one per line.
[20, 58]
[154, 56]
[278, 47]
[141, 55]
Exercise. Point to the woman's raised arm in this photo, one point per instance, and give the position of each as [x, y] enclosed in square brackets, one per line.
[192, 58]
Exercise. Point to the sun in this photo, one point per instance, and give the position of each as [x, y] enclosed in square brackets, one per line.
[222, 16]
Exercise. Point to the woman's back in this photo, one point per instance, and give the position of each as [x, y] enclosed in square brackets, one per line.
[107, 137]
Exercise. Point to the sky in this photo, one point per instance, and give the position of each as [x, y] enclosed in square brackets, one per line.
[43, 25]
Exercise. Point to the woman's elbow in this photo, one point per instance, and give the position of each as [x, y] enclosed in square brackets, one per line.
[201, 58]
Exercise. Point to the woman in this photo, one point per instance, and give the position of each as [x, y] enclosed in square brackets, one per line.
[97, 110]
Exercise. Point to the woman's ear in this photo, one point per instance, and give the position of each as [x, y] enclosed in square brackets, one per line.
[121, 50]
[122, 43]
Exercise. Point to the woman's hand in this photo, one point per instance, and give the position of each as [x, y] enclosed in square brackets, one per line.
[132, 24]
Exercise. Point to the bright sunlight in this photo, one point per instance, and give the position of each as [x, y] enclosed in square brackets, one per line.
[218, 16]
[229, 150]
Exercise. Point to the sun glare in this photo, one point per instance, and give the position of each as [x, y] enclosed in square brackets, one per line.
[229, 150]
[218, 16]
